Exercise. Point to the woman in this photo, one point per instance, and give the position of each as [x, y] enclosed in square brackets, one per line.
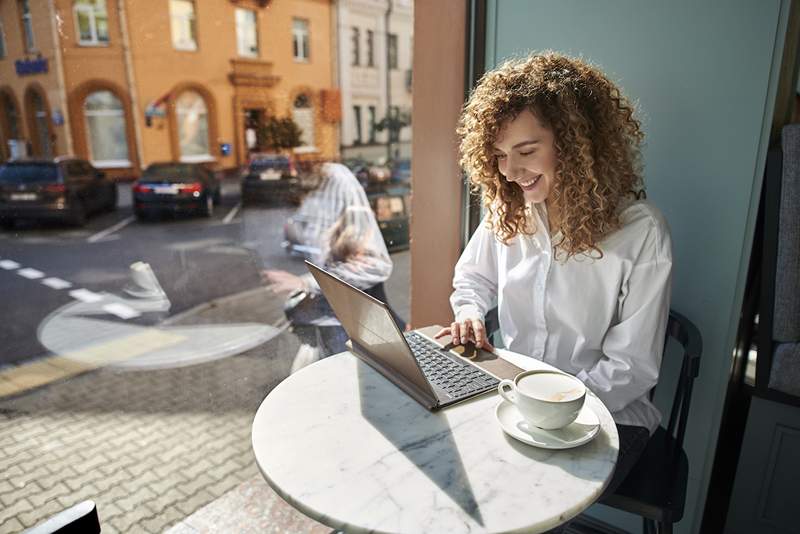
[341, 229]
[579, 265]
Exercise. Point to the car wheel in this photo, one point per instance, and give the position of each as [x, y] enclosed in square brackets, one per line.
[208, 210]
[77, 216]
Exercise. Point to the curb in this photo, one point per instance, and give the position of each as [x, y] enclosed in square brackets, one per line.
[214, 303]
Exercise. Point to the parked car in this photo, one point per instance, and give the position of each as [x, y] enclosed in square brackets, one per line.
[63, 188]
[176, 188]
[270, 179]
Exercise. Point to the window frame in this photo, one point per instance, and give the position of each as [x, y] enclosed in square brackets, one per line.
[194, 158]
[358, 139]
[26, 26]
[92, 11]
[373, 111]
[301, 40]
[239, 40]
[106, 163]
[181, 47]
[370, 48]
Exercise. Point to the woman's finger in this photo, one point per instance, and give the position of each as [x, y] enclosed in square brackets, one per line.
[466, 329]
[479, 332]
[455, 333]
[443, 332]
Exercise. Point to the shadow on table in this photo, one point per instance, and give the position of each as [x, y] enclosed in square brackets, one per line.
[422, 436]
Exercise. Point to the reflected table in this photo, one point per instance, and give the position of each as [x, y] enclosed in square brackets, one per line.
[346, 447]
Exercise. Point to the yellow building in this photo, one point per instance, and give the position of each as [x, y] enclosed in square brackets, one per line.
[157, 80]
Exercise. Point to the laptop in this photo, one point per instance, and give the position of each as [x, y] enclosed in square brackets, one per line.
[431, 374]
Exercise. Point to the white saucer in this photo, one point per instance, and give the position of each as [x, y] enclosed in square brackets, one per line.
[580, 431]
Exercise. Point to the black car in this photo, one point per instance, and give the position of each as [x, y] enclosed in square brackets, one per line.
[64, 188]
[270, 179]
[392, 206]
[176, 188]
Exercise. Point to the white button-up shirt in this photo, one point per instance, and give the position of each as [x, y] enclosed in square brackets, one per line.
[602, 320]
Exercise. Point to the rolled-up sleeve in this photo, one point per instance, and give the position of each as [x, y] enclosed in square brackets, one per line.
[475, 278]
[633, 347]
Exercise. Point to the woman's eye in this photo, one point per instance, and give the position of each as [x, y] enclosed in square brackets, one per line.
[500, 156]
[527, 153]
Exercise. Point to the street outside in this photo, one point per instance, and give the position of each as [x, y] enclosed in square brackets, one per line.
[144, 404]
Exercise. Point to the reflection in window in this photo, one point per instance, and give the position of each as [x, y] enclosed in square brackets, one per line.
[91, 20]
[27, 25]
[370, 48]
[105, 125]
[192, 116]
[303, 115]
[300, 38]
[392, 51]
[356, 38]
[2, 41]
[246, 32]
[182, 24]
[357, 119]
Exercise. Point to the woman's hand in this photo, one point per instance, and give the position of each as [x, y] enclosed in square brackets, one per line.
[468, 330]
[282, 281]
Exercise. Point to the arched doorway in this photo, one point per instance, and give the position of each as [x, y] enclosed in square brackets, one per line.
[106, 130]
[303, 115]
[37, 113]
[192, 125]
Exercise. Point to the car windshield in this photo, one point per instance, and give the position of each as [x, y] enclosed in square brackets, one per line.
[29, 173]
[170, 173]
[269, 163]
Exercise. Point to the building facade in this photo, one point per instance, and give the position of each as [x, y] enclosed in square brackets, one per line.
[130, 82]
[375, 65]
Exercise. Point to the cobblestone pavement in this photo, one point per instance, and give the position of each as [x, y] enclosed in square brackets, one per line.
[150, 447]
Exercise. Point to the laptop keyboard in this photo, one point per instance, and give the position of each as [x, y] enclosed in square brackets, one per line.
[457, 379]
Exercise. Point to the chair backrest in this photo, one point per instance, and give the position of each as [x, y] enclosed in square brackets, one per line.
[688, 336]
[79, 519]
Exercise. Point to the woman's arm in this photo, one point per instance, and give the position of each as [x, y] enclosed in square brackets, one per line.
[632, 348]
[475, 277]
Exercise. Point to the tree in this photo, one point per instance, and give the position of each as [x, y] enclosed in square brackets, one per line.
[279, 134]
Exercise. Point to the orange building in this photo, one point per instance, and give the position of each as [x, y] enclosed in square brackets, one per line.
[190, 80]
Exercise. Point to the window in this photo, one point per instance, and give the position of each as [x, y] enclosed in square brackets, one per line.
[300, 39]
[246, 32]
[182, 24]
[9, 109]
[356, 37]
[392, 51]
[2, 41]
[394, 133]
[370, 48]
[192, 117]
[91, 21]
[303, 115]
[372, 124]
[357, 119]
[105, 128]
[27, 25]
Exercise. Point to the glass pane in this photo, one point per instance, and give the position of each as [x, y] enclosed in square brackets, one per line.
[105, 121]
[101, 21]
[192, 119]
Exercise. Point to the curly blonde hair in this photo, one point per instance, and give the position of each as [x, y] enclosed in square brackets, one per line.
[597, 141]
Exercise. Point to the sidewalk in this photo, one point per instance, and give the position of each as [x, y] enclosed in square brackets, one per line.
[153, 447]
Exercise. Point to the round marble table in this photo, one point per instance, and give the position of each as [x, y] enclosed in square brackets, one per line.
[346, 447]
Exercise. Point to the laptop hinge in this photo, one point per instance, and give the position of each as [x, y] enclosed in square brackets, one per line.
[428, 400]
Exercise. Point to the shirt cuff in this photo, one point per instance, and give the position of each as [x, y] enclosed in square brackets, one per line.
[468, 311]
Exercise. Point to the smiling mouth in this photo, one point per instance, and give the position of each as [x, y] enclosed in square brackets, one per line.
[530, 184]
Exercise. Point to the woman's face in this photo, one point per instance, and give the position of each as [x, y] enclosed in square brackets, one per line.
[526, 154]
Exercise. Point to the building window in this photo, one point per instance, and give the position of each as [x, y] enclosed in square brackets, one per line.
[246, 32]
[300, 38]
[11, 113]
[105, 128]
[303, 116]
[392, 51]
[183, 25]
[27, 25]
[357, 119]
[91, 21]
[192, 117]
[356, 38]
[370, 48]
[394, 133]
[371, 124]
[2, 41]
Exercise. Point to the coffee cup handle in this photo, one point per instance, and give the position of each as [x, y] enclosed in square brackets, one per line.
[506, 394]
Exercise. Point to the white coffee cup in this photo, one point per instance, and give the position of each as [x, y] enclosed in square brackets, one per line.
[546, 399]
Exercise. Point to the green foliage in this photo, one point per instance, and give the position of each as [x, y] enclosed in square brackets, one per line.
[279, 134]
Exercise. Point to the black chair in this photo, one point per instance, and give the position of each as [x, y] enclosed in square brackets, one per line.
[655, 489]
[79, 519]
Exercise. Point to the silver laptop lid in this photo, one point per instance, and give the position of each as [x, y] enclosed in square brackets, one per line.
[375, 335]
